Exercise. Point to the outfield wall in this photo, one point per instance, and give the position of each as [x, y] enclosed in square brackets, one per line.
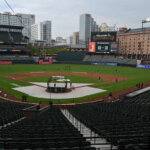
[66, 62]
[94, 63]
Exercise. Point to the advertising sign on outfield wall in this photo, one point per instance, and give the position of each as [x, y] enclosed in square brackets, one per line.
[5, 62]
[143, 66]
[45, 63]
[105, 64]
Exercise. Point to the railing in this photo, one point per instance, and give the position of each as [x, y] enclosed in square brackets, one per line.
[124, 95]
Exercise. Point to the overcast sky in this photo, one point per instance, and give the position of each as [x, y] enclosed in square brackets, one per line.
[64, 14]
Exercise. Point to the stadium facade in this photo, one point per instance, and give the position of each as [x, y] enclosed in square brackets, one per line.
[18, 19]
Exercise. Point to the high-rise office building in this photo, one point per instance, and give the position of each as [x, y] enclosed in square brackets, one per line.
[87, 25]
[24, 20]
[41, 32]
[92, 24]
[85, 28]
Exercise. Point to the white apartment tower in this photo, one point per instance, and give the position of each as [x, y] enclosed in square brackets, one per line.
[41, 32]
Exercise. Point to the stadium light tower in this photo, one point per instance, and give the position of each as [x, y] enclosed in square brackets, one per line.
[145, 21]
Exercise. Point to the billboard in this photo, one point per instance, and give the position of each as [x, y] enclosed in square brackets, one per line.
[45, 63]
[105, 64]
[92, 47]
[103, 36]
[143, 66]
[5, 62]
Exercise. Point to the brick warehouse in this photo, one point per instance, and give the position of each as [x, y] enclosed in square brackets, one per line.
[135, 43]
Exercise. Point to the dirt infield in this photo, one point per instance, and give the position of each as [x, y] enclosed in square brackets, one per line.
[107, 78]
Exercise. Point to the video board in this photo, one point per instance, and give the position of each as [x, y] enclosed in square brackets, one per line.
[102, 48]
[103, 36]
[92, 47]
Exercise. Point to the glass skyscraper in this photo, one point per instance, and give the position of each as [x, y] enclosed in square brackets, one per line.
[87, 25]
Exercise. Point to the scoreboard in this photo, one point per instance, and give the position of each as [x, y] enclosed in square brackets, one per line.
[102, 47]
[103, 42]
[103, 36]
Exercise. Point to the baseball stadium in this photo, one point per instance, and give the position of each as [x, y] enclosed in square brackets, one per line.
[71, 99]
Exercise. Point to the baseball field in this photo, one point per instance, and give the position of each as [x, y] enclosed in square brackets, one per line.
[109, 78]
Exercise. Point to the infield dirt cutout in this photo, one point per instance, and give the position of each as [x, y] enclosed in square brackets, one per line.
[107, 78]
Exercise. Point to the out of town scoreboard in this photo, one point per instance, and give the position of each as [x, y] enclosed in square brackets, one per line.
[103, 42]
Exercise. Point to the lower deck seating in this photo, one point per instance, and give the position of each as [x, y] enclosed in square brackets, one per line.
[70, 56]
[125, 123]
[18, 59]
[109, 59]
[47, 130]
[10, 112]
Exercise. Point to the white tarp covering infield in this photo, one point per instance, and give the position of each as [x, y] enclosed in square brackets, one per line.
[40, 92]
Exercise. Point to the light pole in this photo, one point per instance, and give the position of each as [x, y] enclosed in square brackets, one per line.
[145, 21]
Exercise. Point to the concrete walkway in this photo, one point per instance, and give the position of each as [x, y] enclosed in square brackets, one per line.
[99, 143]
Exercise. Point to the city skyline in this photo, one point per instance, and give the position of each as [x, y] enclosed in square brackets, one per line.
[41, 32]
[65, 14]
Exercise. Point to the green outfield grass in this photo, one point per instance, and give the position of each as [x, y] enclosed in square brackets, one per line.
[135, 76]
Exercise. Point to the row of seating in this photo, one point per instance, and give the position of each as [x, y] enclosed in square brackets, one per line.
[10, 112]
[15, 58]
[11, 37]
[47, 130]
[142, 99]
[126, 121]
[18, 59]
[70, 56]
[109, 59]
